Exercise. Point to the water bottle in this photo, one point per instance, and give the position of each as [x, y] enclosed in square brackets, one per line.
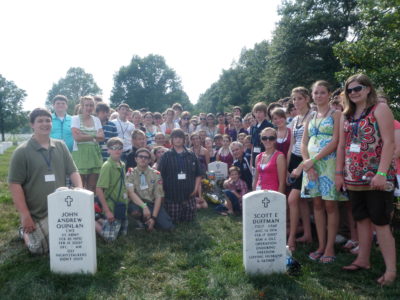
[389, 186]
[289, 259]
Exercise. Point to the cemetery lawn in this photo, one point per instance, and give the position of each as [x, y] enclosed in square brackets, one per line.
[202, 260]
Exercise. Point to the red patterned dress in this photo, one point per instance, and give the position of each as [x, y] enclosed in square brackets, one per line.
[363, 149]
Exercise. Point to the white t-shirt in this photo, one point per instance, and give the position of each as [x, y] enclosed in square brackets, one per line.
[76, 123]
[124, 130]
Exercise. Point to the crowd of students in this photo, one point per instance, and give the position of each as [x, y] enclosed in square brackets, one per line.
[314, 145]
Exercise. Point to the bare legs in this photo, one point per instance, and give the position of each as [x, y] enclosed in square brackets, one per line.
[89, 181]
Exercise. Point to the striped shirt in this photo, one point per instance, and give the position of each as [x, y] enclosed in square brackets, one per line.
[179, 172]
[110, 130]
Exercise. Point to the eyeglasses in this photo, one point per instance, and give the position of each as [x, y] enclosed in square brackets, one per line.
[356, 89]
[268, 138]
[115, 148]
[145, 157]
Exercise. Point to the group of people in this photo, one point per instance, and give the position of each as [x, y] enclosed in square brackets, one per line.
[313, 145]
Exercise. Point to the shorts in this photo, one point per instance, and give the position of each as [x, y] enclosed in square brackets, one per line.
[38, 240]
[294, 163]
[375, 205]
[184, 211]
[110, 231]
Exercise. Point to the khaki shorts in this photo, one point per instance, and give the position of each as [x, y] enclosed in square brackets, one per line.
[38, 240]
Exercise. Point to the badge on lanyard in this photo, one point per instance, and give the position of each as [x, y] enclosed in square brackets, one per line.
[143, 182]
[356, 148]
[257, 149]
[181, 176]
[49, 178]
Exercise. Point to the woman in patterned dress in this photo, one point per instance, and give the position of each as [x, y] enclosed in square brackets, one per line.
[365, 168]
[319, 163]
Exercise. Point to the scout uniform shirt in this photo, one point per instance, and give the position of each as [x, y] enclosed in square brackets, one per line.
[147, 184]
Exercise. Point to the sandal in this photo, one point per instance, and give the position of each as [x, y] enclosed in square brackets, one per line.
[354, 267]
[326, 259]
[350, 244]
[355, 250]
[315, 256]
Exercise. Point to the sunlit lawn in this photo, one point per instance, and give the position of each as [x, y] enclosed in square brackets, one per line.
[202, 260]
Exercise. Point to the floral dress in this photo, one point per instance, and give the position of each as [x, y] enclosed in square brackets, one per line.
[320, 132]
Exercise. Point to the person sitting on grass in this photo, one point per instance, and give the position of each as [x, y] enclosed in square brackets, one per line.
[145, 189]
[37, 168]
[112, 194]
[235, 188]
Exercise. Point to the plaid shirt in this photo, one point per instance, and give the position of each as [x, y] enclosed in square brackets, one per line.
[110, 130]
[171, 164]
[238, 186]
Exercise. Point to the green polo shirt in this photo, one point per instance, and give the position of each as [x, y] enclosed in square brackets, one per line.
[153, 187]
[110, 181]
[33, 167]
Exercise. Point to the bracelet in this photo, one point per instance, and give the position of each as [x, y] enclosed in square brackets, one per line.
[143, 205]
[381, 173]
[314, 160]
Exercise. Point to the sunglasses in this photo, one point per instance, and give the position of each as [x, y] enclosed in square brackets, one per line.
[268, 138]
[143, 157]
[187, 119]
[115, 148]
[356, 89]
[203, 119]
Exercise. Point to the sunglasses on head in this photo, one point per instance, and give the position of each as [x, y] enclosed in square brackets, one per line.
[116, 147]
[143, 157]
[268, 138]
[357, 89]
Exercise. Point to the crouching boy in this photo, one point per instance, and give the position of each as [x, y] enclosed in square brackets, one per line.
[145, 189]
[111, 192]
[235, 188]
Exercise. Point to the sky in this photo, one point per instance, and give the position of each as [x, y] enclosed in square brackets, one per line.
[41, 39]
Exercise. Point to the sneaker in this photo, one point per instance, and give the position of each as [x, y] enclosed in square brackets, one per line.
[340, 239]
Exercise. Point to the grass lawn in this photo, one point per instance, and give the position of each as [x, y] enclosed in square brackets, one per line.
[202, 260]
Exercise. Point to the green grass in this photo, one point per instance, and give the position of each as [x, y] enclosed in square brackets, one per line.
[201, 260]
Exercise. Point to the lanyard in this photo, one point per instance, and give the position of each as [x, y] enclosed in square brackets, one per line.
[354, 127]
[47, 160]
[179, 158]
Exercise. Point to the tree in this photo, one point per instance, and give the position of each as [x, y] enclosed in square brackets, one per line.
[148, 82]
[301, 49]
[77, 83]
[12, 117]
[375, 49]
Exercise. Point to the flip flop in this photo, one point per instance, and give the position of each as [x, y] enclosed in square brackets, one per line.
[350, 244]
[315, 256]
[326, 259]
[354, 267]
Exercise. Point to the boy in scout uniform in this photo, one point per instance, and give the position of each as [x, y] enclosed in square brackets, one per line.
[145, 189]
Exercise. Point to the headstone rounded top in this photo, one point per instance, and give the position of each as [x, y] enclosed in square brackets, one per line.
[62, 188]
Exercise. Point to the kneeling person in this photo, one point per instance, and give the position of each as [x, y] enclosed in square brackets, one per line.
[112, 194]
[37, 168]
[145, 189]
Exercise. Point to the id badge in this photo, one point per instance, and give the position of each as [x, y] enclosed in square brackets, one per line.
[355, 148]
[49, 178]
[256, 149]
[181, 176]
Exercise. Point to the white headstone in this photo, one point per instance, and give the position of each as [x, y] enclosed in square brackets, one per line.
[219, 168]
[264, 232]
[72, 236]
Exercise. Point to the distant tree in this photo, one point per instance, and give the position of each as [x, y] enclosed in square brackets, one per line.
[301, 49]
[375, 48]
[75, 84]
[12, 117]
[148, 82]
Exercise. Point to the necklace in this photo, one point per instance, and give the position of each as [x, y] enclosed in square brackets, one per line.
[320, 122]
[302, 120]
[266, 159]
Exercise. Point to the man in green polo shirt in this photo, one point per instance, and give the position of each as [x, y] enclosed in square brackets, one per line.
[37, 168]
[145, 188]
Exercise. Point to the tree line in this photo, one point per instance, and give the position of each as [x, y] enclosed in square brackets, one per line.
[314, 39]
